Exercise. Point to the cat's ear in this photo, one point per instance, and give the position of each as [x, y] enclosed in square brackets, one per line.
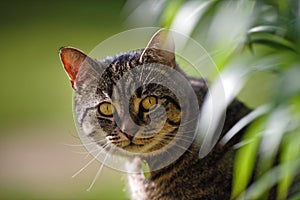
[160, 49]
[73, 61]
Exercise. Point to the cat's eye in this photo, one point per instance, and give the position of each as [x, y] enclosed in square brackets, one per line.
[106, 109]
[148, 102]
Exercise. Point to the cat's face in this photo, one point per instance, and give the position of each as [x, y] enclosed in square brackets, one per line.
[132, 100]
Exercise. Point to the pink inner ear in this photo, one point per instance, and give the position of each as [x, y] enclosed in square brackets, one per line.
[72, 60]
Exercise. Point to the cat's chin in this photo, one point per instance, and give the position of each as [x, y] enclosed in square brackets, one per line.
[133, 148]
[141, 149]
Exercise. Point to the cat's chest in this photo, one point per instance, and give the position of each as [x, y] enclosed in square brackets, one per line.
[187, 178]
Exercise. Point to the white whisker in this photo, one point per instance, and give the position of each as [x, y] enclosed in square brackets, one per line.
[73, 145]
[186, 149]
[79, 152]
[83, 144]
[88, 152]
[92, 160]
[164, 141]
[87, 155]
[178, 138]
[95, 147]
[78, 145]
[99, 170]
[187, 122]
[183, 132]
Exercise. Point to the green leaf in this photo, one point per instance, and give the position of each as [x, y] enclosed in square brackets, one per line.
[268, 180]
[246, 120]
[267, 29]
[170, 12]
[271, 40]
[146, 169]
[290, 151]
[245, 158]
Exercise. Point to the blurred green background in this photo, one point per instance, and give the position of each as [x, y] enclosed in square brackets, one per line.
[36, 99]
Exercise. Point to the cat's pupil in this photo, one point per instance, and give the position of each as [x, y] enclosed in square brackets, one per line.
[149, 102]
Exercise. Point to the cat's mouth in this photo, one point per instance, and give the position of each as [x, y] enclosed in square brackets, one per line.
[136, 143]
[132, 147]
[128, 142]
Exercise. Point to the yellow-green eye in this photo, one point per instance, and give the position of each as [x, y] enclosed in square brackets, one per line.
[106, 109]
[148, 102]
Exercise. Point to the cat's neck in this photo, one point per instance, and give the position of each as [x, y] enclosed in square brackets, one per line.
[192, 177]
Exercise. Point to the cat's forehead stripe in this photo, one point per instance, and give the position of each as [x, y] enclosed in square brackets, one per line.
[116, 67]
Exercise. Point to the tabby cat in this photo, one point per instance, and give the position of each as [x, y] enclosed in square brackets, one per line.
[121, 105]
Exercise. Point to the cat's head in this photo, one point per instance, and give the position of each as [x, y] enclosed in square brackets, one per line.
[137, 101]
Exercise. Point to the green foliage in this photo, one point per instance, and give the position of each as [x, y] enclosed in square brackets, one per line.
[244, 164]
[170, 12]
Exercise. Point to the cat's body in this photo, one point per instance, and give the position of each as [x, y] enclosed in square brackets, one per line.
[102, 116]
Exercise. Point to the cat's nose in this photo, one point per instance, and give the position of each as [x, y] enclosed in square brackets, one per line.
[129, 128]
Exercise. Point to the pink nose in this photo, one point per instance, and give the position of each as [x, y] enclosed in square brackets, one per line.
[129, 128]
